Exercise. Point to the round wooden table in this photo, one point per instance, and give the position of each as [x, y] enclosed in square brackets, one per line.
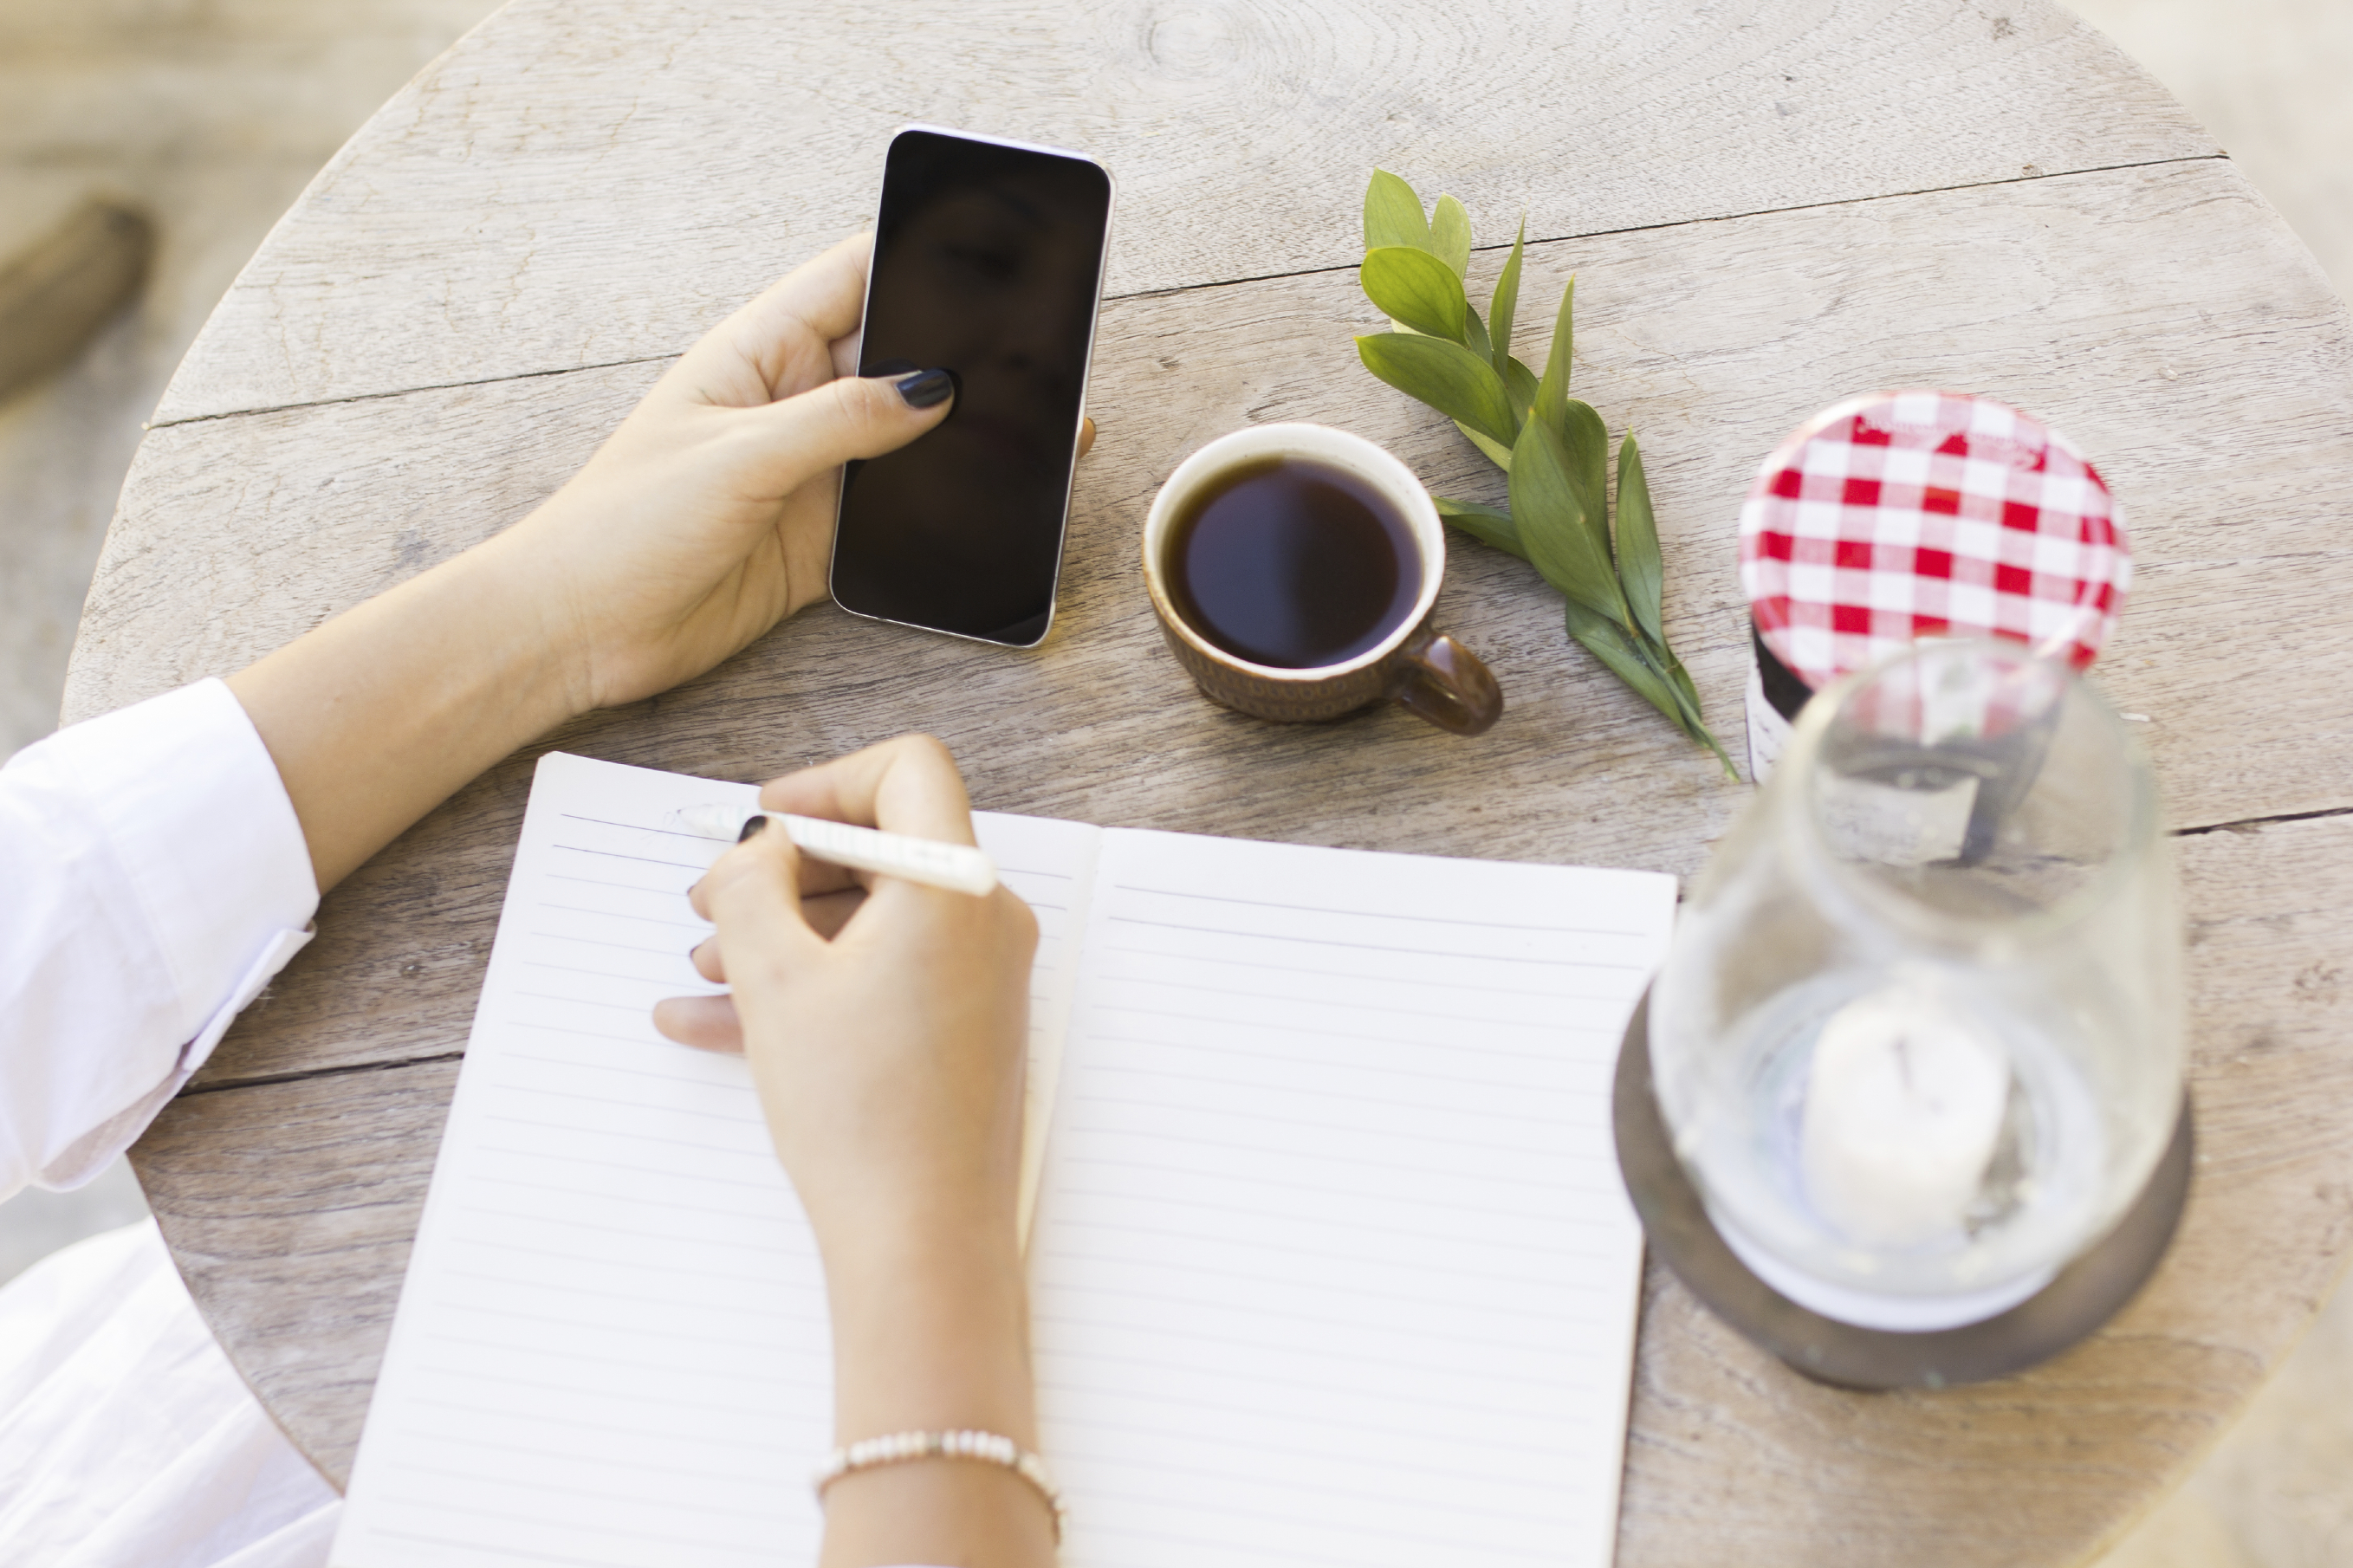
[1769, 206]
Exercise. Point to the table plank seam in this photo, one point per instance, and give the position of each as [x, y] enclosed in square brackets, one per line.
[410, 391]
[1533, 244]
[2251, 823]
[263, 1081]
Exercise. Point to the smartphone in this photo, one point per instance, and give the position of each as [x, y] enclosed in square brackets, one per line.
[988, 263]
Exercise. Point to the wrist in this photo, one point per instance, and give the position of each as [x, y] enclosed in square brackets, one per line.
[932, 1332]
[869, 1265]
[546, 654]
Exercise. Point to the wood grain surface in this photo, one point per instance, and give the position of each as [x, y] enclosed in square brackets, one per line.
[290, 1205]
[495, 270]
[587, 182]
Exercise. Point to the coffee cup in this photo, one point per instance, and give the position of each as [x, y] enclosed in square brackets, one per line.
[1293, 567]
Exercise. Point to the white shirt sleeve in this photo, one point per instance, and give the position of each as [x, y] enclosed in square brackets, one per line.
[152, 879]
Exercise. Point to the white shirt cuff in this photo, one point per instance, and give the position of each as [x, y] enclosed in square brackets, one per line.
[167, 881]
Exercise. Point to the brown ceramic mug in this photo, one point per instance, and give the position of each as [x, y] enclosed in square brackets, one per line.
[1422, 670]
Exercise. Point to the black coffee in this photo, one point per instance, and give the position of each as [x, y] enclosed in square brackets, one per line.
[1292, 562]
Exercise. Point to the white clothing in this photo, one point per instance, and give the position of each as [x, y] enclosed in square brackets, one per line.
[154, 878]
[126, 1439]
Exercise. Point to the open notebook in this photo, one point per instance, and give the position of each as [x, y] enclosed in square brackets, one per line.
[1329, 1259]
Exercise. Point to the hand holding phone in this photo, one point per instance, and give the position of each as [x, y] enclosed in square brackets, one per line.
[989, 261]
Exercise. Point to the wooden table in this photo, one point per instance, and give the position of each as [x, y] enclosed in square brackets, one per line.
[1769, 206]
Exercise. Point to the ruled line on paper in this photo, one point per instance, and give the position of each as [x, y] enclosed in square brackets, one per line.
[1424, 1139]
[1261, 1181]
[1384, 978]
[565, 1559]
[1065, 1191]
[625, 946]
[1227, 1243]
[1239, 1444]
[1246, 1225]
[708, 1508]
[1381, 947]
[744, 1089]
[730, 1115]
[605, 1356]
[602, 1190]
[666, 1538]
[1321, 1157]
[632, 1429]
[1197, 988]
[617, 915]
[507, 1247]
[1275, 1215]
[1421, 919]
[1420, 1074]
[697, 1472]
[644, 860]
[598, 882]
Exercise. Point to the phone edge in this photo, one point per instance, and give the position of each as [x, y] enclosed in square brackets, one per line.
[1086, 379]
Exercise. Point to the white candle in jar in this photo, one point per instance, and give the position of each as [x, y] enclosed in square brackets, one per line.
[1905, 1101]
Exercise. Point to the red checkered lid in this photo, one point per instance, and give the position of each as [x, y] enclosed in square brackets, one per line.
[1918, 514]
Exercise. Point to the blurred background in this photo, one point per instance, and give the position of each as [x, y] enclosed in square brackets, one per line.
[208, 117]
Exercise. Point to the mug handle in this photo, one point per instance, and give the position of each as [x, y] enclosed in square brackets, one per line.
[1439, 679]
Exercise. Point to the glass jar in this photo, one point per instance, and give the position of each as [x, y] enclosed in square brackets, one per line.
[1919, 1039]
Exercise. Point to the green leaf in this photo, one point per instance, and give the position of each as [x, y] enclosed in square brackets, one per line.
[1551, 520]
[1685, 712]
[1553, 390]
[1520, 382]
[1484, 523]
[1494, 451]
[1475, 338]
[1638, 565]
[1687, 694]
[1664, 657]
[1416, 288]
[1500, 307]
[1588, 441]
[1393, 214]
[1608, 642]
[1450, 236]
[1447, 376]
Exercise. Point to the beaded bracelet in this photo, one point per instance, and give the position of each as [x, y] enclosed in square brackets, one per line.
[899, 1447]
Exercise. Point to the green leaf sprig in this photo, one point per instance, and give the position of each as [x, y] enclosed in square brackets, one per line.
[1553, 449]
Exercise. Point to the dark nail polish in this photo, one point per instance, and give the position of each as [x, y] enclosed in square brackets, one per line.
[926, 388]
[752, 825]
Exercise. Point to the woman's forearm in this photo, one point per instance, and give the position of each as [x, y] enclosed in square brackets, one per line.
[933, 1336]
[379, 715]
[703, 520]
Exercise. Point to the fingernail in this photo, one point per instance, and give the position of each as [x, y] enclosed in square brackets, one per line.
[926, 388]
[752, 825]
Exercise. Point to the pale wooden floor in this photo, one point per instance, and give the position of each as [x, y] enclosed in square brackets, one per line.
[214, 113]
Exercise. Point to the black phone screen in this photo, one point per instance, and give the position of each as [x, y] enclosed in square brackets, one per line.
[988, 264]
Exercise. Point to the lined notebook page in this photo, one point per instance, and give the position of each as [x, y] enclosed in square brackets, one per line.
[1332, 1263]
[611, 1349]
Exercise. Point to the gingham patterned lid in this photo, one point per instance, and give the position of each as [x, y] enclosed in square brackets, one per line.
[1916, 515]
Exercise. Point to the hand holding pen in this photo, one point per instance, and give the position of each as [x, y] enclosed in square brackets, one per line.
[889, 1063]
[957, 868]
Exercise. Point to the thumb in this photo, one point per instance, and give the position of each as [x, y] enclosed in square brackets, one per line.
[853, 416]
[751, 894]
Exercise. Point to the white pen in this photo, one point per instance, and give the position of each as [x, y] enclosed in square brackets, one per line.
[958, 868]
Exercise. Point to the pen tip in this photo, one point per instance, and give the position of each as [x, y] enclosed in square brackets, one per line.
[710, 821]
